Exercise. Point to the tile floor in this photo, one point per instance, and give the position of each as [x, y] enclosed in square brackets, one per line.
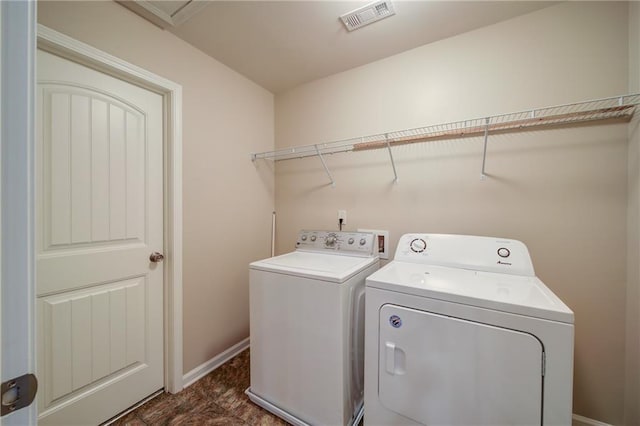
[216, 399]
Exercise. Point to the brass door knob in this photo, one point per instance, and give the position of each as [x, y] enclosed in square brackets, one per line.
[156, 257]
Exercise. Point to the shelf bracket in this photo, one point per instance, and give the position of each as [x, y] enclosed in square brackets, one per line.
[326, 169]
[393, 163]
[484, 152]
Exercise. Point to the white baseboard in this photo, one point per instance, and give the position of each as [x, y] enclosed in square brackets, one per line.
[202, 370]
[585, 421]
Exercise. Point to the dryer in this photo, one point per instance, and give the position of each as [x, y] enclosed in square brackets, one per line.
[460, 331]
[307, 328]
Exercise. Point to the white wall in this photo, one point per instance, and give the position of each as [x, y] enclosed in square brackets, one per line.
[227, 200]
[632, 383]
[563, 192]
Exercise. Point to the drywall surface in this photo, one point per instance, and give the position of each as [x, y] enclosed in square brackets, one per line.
[632, 383]
[563, 191]
[227, 200]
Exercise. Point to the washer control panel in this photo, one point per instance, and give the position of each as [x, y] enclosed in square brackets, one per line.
[466, 252]
[353, 243]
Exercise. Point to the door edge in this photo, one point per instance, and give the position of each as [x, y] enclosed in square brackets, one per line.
[17, 144]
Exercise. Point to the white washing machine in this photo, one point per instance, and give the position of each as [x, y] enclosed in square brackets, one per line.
[459, 331]
[307, 328]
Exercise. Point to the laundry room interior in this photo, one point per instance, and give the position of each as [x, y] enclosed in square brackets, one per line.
[570, 191]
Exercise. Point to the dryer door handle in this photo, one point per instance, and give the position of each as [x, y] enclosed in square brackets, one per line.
[390, 355]
[395, 359]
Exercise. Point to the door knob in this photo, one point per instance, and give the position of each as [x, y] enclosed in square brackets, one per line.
[156, 257]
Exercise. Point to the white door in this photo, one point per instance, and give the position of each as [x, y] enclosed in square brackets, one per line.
[439, 370]
[99, 187]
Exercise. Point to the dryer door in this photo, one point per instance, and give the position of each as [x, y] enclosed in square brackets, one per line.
[440, 370]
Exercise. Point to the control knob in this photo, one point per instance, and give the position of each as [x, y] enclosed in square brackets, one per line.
[330, 240]
[313, 238]
[363, 241]
[351, 240]
[503, 252]
[418, 245]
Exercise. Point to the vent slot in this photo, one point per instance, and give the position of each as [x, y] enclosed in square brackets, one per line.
[368, 14]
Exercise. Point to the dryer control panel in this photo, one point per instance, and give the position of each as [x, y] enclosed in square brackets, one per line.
[349, 243]
[467, 252]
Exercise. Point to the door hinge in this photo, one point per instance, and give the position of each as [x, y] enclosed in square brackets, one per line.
[544, 363]
[18, 393]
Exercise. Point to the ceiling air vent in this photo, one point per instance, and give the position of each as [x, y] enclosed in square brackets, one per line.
[367, 14]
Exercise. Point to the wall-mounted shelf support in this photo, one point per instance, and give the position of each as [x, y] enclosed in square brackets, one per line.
[617, 109]
[324, 164]
[393, 163]
[484, 151]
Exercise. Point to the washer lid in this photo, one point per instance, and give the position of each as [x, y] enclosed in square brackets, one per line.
[502, 292]
[326, 267]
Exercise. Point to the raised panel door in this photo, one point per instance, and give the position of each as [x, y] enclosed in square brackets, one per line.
[99, 209]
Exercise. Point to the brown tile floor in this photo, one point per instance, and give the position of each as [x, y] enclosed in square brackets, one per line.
[216, 399]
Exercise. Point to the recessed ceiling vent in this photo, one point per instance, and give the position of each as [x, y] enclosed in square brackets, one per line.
[367, 14]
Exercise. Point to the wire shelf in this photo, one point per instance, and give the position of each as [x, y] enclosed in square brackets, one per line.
[605, 110]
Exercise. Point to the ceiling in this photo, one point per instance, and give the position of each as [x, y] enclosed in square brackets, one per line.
[282, 44]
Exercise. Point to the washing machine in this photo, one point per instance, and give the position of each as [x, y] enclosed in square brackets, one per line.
[307, 328]
[460, 331]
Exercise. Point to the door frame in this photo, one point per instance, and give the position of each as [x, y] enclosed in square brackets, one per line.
[17, 191]
[66, 47]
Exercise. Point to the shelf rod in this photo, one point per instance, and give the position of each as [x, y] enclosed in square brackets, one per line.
[393, 163]
[615, 109]
[505, 127]
[484, 152]
[326, 169]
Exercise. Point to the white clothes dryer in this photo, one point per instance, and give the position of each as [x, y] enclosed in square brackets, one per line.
[307, 328]
[460, 331]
